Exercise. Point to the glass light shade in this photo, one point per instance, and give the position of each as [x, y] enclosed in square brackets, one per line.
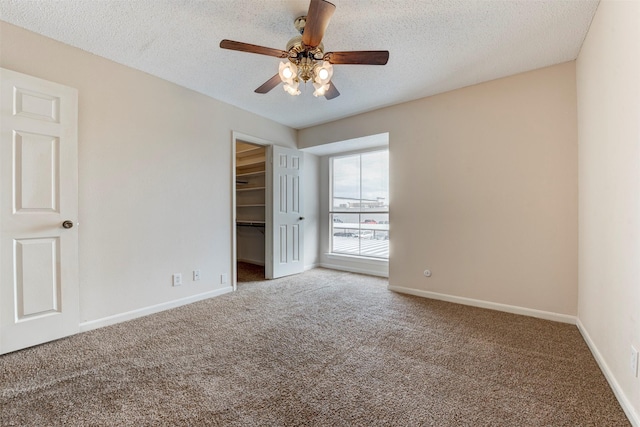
[287, 72]
[292, 88]
[320, 89]
[323, 73]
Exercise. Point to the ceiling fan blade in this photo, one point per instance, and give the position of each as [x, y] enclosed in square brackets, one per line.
[252, 48]
[269, 84]
[318, 17]
[365, 57]
[332, 92]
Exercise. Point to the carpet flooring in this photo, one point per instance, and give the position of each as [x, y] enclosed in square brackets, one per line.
[323, 348]
[250, 272]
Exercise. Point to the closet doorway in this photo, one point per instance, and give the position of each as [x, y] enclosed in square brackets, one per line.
[267, 209]
[251, 198]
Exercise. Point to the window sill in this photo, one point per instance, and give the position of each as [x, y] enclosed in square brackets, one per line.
[356, 258]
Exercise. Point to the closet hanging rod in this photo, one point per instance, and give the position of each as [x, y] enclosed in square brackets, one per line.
[250, 224]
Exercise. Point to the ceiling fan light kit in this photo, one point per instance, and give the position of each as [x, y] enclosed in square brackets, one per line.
[307, 60]
[319, 72]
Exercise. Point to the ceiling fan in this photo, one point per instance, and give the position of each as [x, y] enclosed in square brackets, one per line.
[307, 59]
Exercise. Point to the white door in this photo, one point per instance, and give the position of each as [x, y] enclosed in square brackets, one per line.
[287, 212]
[39, 182]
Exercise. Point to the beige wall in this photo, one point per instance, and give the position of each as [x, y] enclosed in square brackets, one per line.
[483, 189]
[155, 189]
[608, 81]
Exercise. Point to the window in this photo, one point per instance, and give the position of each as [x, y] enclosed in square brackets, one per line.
[359, 213]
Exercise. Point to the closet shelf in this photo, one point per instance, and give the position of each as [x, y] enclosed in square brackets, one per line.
[251, 173]
[252, 205]
[250, 152]
[250, 222]
[251, 189]
[250, 161]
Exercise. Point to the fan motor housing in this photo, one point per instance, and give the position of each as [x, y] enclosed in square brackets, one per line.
[299, 23]
[298, 50]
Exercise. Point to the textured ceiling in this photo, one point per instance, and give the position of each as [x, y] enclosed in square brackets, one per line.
[434, 45]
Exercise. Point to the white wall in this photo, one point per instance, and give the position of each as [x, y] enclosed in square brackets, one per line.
[251, 244]
[155, 176]
[311, 210]
[608, 81]
[483, 185]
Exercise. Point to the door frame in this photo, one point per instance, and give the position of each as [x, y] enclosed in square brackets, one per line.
[268, 252]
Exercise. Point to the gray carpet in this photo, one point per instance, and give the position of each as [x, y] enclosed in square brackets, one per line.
[250, 272]
[324, 348]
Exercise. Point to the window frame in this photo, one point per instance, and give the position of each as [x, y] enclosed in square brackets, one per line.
[360, 213]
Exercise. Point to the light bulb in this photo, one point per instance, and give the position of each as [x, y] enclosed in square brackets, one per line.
[323, 74]
[287, 72]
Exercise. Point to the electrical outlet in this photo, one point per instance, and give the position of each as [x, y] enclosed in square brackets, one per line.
[196, 275]
[634, 361]
[177, 279]
[223, 279]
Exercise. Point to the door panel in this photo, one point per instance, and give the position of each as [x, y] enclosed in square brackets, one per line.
[37, 282]
[295, 241]
[36, 176]
[288, 217]
[39, 182]
[283, 244]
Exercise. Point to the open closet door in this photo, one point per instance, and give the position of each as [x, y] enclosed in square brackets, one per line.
[39, 288]
[287, 232]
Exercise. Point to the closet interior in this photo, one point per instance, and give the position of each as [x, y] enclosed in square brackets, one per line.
[250, 210]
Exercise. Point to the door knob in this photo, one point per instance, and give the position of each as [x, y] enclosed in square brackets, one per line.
[301, 218]
[67, 224]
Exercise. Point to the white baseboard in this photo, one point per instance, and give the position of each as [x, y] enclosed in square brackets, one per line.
[129, 315]
[547, 315]
[311, 267]
[353, 269]
[628, 409]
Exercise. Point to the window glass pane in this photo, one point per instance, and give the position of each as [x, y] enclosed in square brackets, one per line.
[346, 230]
[374, 235]
[375, 181]
[346, 183]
